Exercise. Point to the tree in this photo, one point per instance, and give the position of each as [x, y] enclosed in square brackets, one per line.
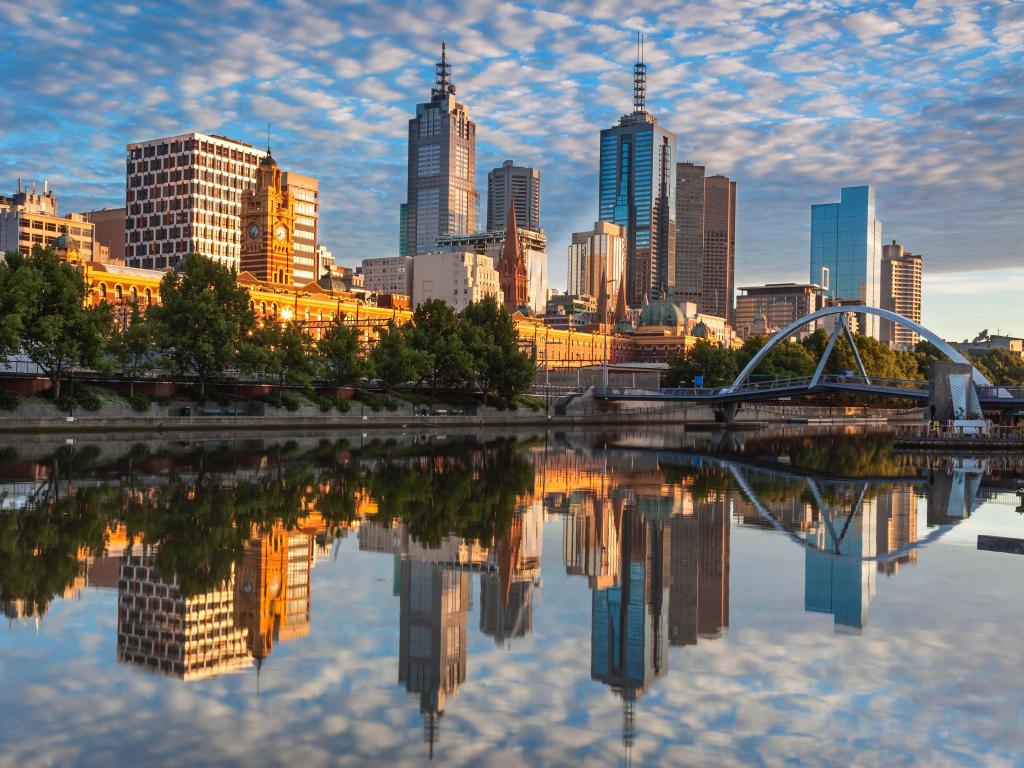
[131, 346]
[338, 355]
[841, 358]
[435, 332]
[281, 351]
[43, 303]
[202, 319]
[715, 363]
[10, 313]
[499, 365]
[1000, 366]
[394, 360]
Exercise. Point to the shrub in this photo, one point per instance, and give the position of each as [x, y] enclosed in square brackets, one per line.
[8, 400]
[139, 402]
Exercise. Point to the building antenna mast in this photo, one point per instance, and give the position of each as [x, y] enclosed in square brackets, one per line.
[639, 76]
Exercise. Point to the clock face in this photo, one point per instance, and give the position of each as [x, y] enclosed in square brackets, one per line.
[281, 232]
[254, 231]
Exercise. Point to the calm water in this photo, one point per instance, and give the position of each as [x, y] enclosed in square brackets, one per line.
[560, 599]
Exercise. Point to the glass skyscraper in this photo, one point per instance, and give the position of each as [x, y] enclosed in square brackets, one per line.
[637, 191]
[846, 252]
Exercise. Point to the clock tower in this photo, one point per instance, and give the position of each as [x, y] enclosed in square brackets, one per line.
[268, 226]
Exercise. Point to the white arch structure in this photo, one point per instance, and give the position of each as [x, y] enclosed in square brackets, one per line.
[842, 327]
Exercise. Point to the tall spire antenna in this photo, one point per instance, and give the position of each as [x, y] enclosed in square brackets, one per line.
[639, 77]
[443, 71]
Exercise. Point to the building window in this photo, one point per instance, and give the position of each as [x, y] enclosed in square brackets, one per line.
[428, 160]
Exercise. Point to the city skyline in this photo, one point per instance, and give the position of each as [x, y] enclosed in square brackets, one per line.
[819, 99]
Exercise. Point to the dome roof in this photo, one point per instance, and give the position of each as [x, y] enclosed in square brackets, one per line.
[524, 310]
[662, 312]
[700, 330]
[65, 242]
[623, 326]
[268, 160]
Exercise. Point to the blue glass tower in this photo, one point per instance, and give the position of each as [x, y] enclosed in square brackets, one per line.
[637, 191]
[846, 251]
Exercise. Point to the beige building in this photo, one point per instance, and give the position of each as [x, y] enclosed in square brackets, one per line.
[305, 191]
[596, 255]
[324, 260]
[30, 218]
[109, 228]
[900, 293]
[533, 245]
[184, 194]
[391, 274]
[763, 309]
[457, 278]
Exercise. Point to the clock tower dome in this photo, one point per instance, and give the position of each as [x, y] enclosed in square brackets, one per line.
[268, 226]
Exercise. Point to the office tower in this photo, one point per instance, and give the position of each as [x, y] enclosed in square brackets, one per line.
[434, 603]
[390, 274]
[518, 184]
[29, 218]
[305, 193]
[403, 229]
[109, 228]
[512, 267]
[442, 166]
[705, 240]
[268, 226]
[698, 604]
[164, 631]
[533, 245]
[597, 255]
[637, 191]
[901, 293]
[763, 309]
[184, 195]
[846, 252]
[324, 260]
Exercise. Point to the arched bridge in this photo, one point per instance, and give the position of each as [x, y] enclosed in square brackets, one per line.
[743, 390]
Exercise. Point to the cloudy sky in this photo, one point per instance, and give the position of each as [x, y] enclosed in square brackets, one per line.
[793, 99]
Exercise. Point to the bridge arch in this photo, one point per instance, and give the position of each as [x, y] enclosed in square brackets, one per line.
[885, 314]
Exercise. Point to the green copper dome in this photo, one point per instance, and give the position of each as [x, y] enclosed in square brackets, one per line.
[662, 312]
[64, 242]
[623, 326]
[700, 330]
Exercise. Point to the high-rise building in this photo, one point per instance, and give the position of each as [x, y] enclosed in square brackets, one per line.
[519, 185]
[597, 255]
[846, 252]
[268, 226]
[305, 192]
[388, 274]
[324, 260]
[29, 218]
[184, 195]
[403, 229]
[442, 166]
[637, 191]
[901, 293]
[705, 240]
[762, 309]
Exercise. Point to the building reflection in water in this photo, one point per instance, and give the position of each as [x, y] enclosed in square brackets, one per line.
[699, 571]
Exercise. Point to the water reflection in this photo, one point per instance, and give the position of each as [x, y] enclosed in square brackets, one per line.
[213, 550]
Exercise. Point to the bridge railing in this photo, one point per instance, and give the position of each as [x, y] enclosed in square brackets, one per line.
[1001, 393]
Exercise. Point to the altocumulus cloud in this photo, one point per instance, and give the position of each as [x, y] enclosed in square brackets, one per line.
[793, 100]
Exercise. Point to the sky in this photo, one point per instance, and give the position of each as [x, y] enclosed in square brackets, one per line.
[792, 99]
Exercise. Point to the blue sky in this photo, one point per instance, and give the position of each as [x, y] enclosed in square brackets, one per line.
[792, 99]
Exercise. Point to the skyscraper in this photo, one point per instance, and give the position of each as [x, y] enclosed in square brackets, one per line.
[518, 184]
[901, 293]
[705, 240]
[597, 255]
[846, 251]
[305, 191]
[184, 195]
[442, 166]
[637, 191]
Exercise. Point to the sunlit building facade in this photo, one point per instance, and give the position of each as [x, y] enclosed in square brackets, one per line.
[901, 293]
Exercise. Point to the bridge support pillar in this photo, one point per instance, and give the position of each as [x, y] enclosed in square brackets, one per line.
[725, 413]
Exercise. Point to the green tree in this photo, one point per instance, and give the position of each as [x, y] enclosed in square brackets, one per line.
[131, 346]
[435, 332]
[499, 365]
[43, 305]
[1000, 366]
[10, 312]
[338, 355]
[715, 363]
[841, 358]
[202, 319]
[787, 360]
[282, 351]
[394, 360]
